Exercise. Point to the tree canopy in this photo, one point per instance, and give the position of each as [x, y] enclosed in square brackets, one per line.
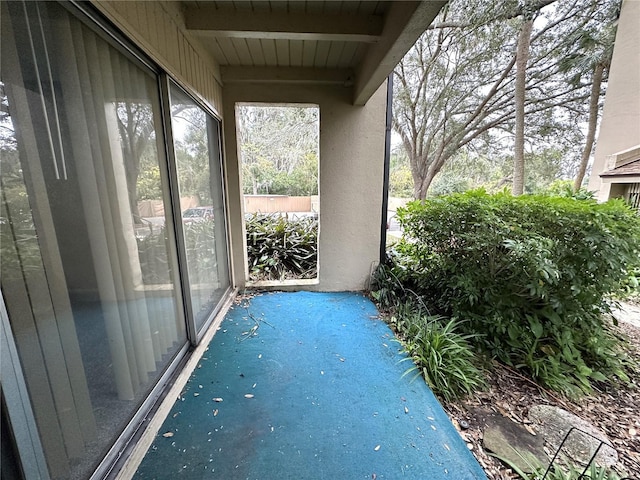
[454, 91]
[279, 149]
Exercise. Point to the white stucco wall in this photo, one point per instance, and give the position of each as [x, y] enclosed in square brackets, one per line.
[620, 124]
[351, 177]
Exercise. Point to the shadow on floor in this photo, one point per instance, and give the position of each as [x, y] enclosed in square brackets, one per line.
[306, 386]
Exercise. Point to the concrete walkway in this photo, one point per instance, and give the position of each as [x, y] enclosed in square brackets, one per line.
[306, 386]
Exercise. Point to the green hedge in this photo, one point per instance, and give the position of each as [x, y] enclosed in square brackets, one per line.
[528, 277]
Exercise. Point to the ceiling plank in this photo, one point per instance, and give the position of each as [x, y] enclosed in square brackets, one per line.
[322, 54]
[269, 49]
[242, 49]
[295, 53]
[308, 53]
[280, 25]
[282, 52]
[404, 23]
[339, 76]
[255, 48]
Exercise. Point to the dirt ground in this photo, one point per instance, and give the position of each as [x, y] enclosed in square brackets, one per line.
[615, 411]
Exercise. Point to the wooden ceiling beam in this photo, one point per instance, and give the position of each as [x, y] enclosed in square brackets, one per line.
[286, 26]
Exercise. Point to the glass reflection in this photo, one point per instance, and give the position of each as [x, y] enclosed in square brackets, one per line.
[87, 275]
[197, 140]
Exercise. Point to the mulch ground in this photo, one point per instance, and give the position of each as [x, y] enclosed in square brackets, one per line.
[615, 411]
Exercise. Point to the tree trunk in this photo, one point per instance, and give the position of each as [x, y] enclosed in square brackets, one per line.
[593, 120]
[522, 56]
[421, 183]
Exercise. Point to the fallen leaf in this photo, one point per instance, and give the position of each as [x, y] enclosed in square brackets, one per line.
[167, 435]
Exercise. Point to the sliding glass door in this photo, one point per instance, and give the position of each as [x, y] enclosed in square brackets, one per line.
[92, 267]
[196, 140]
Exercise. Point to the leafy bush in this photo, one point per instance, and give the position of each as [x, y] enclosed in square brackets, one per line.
[530, 273]
[279, 248]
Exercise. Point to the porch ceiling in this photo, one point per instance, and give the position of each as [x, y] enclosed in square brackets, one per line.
[353, 43]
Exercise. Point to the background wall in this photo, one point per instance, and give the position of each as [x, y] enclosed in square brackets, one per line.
[620, 124]
[351, 174]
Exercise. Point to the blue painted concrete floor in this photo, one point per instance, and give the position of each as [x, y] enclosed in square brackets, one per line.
[306, 386]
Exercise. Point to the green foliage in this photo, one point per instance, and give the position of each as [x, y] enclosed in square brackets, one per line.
[442, 355]
[492, 170]
[149, 182]
[530, 273]
[594, 472]
[279, 248]
[152, 252]
[631, 284]
[279, 149]
[199, 240]
[451, 86]
[564, 188]
[400, 178]
[559, 472]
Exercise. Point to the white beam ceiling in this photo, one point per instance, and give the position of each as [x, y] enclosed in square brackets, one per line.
[310, 41]
[284, 25]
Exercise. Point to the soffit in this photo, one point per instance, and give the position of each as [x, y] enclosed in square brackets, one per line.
[353, 43]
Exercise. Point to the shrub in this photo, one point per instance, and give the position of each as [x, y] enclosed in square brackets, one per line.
[279, 248]
[531, 273]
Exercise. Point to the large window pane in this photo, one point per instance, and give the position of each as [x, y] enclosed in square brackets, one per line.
[197, 141]
[87, 273]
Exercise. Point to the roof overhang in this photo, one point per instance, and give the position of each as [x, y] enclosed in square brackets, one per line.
[352, 44]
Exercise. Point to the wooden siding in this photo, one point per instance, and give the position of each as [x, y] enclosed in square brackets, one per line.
[158, 28]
